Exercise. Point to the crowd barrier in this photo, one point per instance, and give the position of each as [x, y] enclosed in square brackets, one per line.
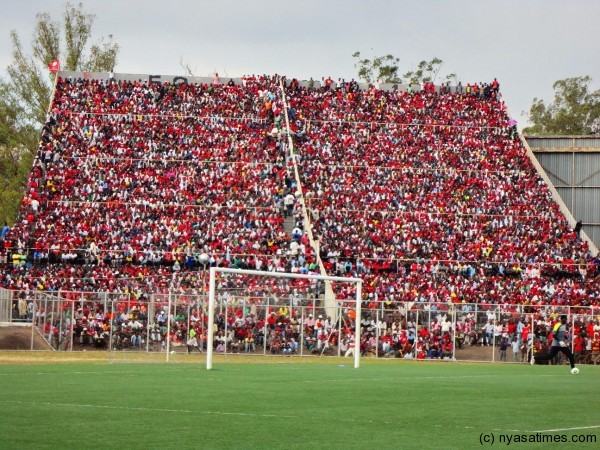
[162, 323]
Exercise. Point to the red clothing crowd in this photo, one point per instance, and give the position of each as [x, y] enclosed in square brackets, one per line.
[427, 195]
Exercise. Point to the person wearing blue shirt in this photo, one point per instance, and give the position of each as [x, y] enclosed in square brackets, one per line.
[5, 230]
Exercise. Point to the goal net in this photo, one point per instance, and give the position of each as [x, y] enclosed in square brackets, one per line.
[282, 314]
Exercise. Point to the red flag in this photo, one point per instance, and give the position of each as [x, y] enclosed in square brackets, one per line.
[54, 66]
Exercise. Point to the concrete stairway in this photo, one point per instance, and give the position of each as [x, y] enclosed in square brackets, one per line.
[288, 225]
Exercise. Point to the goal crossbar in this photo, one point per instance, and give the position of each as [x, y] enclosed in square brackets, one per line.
[211, 303]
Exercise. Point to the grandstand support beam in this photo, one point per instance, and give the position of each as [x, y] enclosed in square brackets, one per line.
[329, 300]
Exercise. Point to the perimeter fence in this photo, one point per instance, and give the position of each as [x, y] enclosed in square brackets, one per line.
[176, 323]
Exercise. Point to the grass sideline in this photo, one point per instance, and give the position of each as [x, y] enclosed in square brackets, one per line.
[290, 403]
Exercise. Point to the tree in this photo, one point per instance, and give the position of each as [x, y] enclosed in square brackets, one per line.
[15, 160]
[25, 94]
[427, 72]
[381, 68]
[29, 80]
[384, 69]
[575, 110]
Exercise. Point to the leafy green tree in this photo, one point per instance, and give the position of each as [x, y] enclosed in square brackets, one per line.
[385, 69]
[16, 137]
[29, 79]
[381, 68]
[427, 72]
[25, 92]
[575, 110]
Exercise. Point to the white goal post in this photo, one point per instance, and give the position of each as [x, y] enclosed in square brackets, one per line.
[211, 303]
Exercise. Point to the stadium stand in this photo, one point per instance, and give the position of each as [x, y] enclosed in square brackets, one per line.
[427, 194]
[431, 197]
[132, 175]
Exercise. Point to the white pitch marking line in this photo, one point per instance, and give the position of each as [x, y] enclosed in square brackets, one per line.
[402, 378]
[69, 373]
[470, 428]
[566, 429]
[132, 408]
[95, 372]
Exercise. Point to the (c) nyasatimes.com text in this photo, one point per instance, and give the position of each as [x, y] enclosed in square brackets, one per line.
[508, 439]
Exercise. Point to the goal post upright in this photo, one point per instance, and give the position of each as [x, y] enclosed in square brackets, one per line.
[212, 300]
[211, 318]
[357, 326]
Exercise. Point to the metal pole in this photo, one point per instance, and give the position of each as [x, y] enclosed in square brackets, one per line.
[211, 320]
[572, 330]
[72, 331]
[226, 333]
[530, 336]
[429, 317]
[202, 302]
[377, 334]
[148, 326]
[105, 308]
[454, 333]
[46, 315]
[302, 330]
[416, 333]
[32, 323]
[188, 321]
[265, 327]
[111, 327]
[340, 317]
[203, 316]
[494, 340]
[169, 324]
[61, 327]
[51, 328]
[357, 325]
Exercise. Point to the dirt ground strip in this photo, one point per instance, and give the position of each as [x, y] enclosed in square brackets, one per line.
[19, 338]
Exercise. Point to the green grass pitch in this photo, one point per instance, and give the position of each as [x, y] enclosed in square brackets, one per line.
[308, 403]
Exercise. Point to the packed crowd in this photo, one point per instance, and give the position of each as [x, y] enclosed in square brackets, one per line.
[243, 327]
[431, 197]
[133, 180]
[428, 196]
[140, 324]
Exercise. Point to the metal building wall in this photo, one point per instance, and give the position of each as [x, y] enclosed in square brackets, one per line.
[573, 166]
[564, 143]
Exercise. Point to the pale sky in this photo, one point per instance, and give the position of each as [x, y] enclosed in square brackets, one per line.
[525, 44]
